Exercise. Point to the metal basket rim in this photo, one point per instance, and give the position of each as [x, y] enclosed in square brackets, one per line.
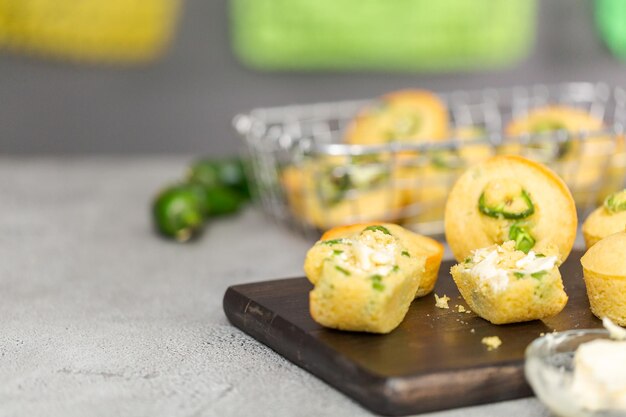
[243, 122]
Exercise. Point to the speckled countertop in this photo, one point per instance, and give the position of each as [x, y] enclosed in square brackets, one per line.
[98, 317]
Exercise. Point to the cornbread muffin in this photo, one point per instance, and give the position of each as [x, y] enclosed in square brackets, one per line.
[581, 163]
[604, 270]
[364, 280]
[510, 198]
[553, 118]
[402, 116]
[505, 285]
[418, 246]
[475, 152]
[327, 192]
[606, 220]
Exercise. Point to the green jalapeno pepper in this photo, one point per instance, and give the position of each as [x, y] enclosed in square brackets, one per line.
[226, 173]
[524, 241]
[179, 211]
[512, 207]
[616, 202]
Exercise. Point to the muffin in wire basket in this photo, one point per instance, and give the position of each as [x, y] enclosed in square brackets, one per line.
[615, 178]
[421, 171]
[426, 180]
[330, 191]
[581, 162]
[402, 116]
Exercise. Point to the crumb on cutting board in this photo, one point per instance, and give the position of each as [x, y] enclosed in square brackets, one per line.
[460, 308]
[492, 342]
[442, 302]
[472, 331]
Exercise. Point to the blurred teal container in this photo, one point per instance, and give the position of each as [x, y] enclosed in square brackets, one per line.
[610, 18]
[409, 35]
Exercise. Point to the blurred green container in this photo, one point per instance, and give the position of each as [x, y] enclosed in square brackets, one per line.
[410, 35]
[610, 18]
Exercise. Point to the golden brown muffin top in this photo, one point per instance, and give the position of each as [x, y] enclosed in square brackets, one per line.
[608, 256]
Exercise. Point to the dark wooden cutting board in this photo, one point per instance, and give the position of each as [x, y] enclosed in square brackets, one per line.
[432, 361]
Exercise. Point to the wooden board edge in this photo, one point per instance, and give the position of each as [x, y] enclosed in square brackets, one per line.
[394, 396]
[463, 388]
[307, 353]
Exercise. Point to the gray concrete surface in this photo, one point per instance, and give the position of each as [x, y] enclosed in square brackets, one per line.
[185, 102]
[99, 317]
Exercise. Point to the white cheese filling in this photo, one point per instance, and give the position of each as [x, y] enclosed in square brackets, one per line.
[369, 257]
[487, 269]
[531, 264]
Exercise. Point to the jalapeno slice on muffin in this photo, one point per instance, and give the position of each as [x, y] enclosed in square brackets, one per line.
[524, 241]
[335, 181]
[505, 199]
[616, 202]
[546, 126]
[606, 220]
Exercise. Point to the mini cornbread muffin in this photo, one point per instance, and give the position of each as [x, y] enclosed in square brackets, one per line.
[505, 285]
[510, 198]
[606, 220]
[551, 119]
[604, 270]
[417, 246]
[581, 163]
[327, 192]
[364, 280]
[401, 116]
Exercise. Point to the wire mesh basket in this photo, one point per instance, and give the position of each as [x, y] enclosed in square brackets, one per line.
[306, 177]
[111, 31]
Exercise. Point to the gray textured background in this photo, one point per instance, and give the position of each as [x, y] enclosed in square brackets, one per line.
[184, 103]
[100, 318]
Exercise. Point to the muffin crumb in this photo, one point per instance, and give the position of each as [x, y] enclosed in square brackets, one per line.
[492, 342]
[460, 308]
[442, 302]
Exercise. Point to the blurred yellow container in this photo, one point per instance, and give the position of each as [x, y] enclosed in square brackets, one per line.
[89, 30]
